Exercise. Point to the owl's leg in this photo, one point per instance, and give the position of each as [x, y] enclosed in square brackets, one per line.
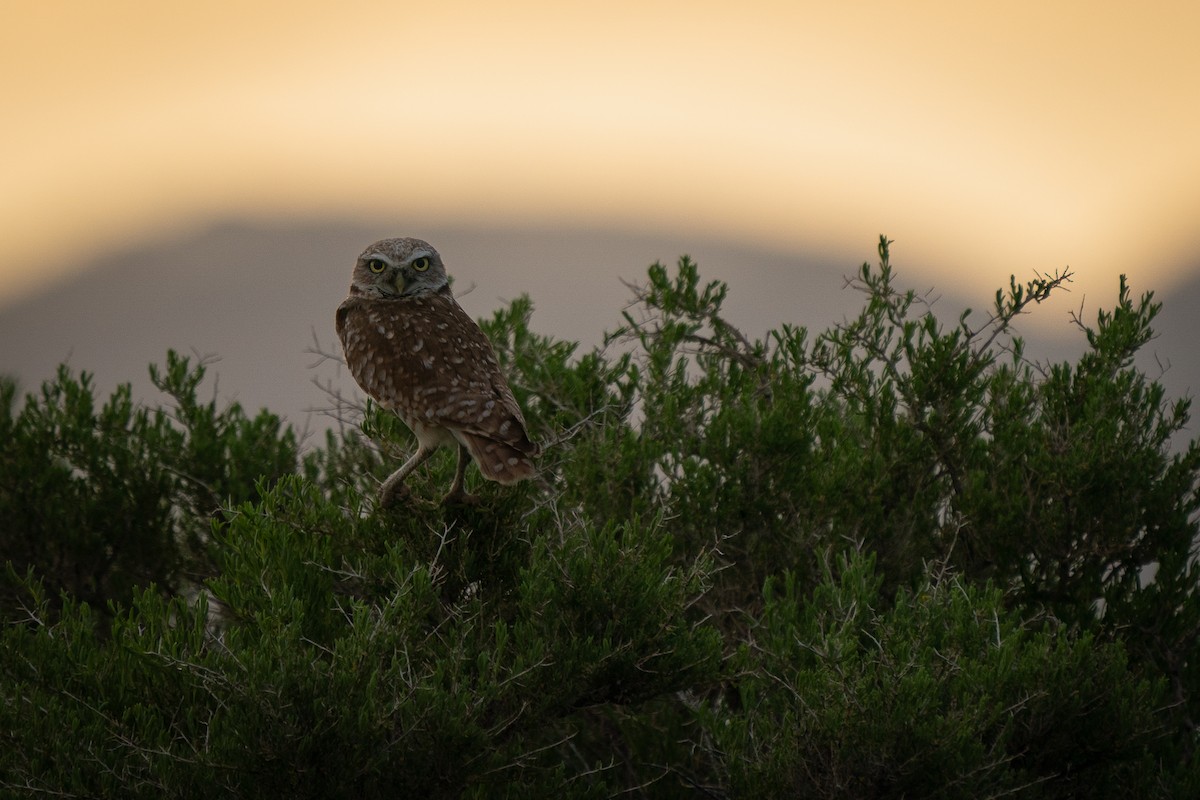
[457, 493]
[393, 488]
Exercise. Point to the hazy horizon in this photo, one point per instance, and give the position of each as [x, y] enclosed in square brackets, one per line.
[260, 297]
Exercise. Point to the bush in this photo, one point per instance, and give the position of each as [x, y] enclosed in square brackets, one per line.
[893, 559]
[943, 693]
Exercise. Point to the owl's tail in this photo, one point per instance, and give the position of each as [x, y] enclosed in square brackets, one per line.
[501, 461]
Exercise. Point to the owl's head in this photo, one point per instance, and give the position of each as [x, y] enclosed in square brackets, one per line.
[398, 268]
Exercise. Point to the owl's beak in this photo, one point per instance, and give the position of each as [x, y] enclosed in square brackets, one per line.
[399, 282]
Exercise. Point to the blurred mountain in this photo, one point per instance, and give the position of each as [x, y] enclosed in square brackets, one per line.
[1177, 348]
[259, 298]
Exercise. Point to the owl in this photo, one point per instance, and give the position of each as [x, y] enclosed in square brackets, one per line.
[411, 347]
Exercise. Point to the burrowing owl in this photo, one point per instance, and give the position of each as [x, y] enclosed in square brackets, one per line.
[411, 346]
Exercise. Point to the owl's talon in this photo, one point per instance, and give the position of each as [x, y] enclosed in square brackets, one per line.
[461, 498]
[393, 495]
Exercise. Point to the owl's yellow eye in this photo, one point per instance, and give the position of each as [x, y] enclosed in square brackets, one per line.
[420, 264]
[376, 265]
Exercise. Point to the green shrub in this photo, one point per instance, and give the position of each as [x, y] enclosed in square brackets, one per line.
[896, 558]
[941, 692]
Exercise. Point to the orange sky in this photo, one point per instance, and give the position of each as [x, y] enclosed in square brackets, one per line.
[1024, 136]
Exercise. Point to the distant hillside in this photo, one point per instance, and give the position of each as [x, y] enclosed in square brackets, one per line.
[255, 294]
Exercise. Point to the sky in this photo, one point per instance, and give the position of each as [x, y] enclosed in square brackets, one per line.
[987, 139]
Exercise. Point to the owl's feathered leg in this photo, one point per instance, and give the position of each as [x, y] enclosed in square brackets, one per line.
[457, 493]
[393, 488]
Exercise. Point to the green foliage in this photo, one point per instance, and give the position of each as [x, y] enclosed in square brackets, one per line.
[895, 558]
[943, 692]
[100, 501]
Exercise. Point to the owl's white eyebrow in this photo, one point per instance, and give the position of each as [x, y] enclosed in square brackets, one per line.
[377, 257]
[419, 254]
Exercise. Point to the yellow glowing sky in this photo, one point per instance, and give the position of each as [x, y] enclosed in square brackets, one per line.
[1026, 135]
